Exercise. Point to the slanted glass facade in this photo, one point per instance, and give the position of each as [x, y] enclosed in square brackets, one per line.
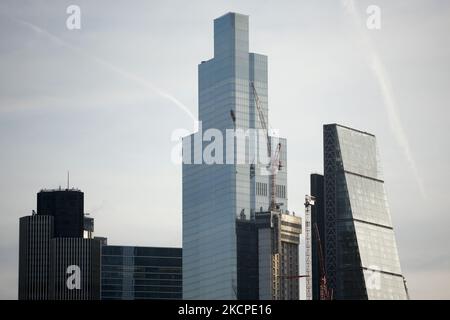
[130, 273]
[361, 254]
[214, 195]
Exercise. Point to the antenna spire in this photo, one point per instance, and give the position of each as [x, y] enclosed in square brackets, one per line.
[68, 180]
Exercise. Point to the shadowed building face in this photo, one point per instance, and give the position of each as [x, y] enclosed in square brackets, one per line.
[360, 249]
[67, 209]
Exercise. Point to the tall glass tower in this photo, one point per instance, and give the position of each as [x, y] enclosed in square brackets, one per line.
[215, 195]
[360, 250]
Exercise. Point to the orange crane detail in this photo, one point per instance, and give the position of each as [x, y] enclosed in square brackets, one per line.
[324, 292]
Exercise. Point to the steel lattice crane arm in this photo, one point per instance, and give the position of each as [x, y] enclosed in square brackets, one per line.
[262, 119]
[275, 163]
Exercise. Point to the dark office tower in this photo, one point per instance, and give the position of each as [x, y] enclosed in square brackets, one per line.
[361, 254]
[247, 260]
[130, 273]
[55, 261]
[75, 269]
[34, 257]
[67, 208]
[318, 232]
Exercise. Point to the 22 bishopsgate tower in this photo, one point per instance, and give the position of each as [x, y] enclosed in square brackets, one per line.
[218, 196]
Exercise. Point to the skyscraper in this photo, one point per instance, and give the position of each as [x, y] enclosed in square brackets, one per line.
[360, 249]
[215, 195]
[55, 261]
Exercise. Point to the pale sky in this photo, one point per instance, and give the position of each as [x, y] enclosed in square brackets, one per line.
[104, 101]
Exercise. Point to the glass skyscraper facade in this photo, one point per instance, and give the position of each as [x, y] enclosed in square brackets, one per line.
[215, 195]
[360, 249]
[130, 273]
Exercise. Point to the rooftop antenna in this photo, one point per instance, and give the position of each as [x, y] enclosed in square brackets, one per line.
[68, 180]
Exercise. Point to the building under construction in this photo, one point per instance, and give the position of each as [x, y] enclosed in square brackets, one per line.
[267, 256]
[220, 201]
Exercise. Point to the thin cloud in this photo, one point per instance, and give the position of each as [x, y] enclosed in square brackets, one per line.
[126, 74]
[390, 104]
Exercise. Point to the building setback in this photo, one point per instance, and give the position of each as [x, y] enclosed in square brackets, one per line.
[140, 273]
[360, 249]
[217, 195]
[67, 208]
[53, 255]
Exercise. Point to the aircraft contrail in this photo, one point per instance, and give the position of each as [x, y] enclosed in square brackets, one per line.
[390, 104]
[126, 74]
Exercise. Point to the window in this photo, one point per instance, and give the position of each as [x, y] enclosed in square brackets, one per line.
[281, 191]
[261, 189]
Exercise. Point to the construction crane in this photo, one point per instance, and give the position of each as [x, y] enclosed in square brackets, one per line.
[309, 202]
[275, 163]
[324, 292]
[296, 277]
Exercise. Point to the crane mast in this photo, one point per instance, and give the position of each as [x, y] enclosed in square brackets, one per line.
[275, 163]
[324, 292]
[309, 201]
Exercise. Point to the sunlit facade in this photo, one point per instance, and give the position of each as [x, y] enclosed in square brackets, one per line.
[361, 254]
[215, 195]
